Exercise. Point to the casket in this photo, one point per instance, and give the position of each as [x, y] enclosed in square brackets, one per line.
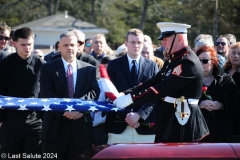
[171, 151]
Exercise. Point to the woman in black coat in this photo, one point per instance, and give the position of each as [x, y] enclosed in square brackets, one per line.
[219, 99]
[232, 66]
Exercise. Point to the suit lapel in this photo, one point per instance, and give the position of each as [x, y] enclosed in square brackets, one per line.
[61, 75]
[79, 80]
[125, 66]
[142, 66]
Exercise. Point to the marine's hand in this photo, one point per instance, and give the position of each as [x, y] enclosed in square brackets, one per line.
[123, 101]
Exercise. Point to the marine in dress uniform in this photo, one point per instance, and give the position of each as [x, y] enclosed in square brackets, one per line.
[177, 87]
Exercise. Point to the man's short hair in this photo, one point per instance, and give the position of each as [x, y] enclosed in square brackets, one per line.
[68, 34]
[99, 36]
[135, 32]
[232, 39]
[4, 27]
[224, 36]
[23, 33]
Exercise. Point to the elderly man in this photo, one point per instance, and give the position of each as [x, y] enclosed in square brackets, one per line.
[177, 87]
[99, 46]
[147, 52]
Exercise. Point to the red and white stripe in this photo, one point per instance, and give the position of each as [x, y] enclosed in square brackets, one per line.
[107, 86]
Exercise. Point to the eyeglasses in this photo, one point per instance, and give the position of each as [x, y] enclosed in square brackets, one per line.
[218, 43]
[134, 43]
[5, 38]
[88, 45]
[204, 61]
[80, 42]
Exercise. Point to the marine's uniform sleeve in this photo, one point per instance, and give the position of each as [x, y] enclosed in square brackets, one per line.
[157, 88]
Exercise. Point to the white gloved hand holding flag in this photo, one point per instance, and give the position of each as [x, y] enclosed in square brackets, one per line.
[120, 99]
[123, 101]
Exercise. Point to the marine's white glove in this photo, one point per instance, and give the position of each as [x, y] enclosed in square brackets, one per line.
[123, 101]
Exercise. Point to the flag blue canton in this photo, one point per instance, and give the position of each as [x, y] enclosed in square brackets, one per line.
[55, 104]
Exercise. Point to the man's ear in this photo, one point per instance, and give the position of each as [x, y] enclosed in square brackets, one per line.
[180, 37]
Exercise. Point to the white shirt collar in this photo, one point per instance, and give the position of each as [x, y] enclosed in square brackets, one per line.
[130, 62]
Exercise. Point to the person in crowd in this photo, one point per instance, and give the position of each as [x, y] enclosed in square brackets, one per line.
[19, 77]
[3, 54]
[132, 125]
[219, 98]
[88, 46]
[231, 38]
[109, 50]
[39, 53]
[158, 51]
[10, 47]
[49, 57]
[99, 45]
[203, 40]
[232, 67]
[177, 87]
[67, 133]
[81, 55]
[222, 45]
[5, 31]
[121, 50]
[147, 52]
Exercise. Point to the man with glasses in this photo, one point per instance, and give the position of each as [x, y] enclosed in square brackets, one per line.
[222, 45]
[87, 47]
[131, 126]
[4, 38]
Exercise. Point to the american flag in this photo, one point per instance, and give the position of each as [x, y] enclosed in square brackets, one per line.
[65, 104]
[54, 104]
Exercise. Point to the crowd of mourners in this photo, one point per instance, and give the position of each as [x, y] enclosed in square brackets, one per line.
[72, 71]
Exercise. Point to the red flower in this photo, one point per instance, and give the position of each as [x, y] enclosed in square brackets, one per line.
[152, 124]
[204, 89]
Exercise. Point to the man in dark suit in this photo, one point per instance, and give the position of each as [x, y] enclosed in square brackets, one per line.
[19, 72]
[67, 133]
[119, 70]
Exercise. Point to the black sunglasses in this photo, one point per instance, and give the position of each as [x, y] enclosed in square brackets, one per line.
[80, 42]
[5, 38]
[218, 43]
[204, 61]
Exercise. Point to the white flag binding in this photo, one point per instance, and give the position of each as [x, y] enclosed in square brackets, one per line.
[107, 86]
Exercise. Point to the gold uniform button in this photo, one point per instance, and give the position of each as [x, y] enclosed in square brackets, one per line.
[146, 90]
[133, 95]
[140, 93]
[169, 61]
